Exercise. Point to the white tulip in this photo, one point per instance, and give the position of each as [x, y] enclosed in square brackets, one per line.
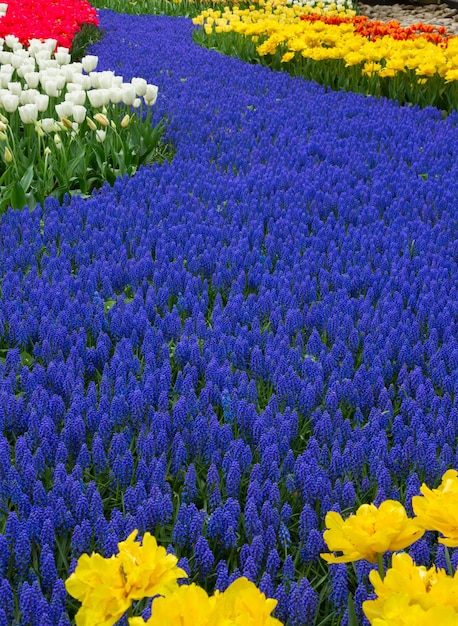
[85, 82]
[106, 79]
[11, 41]
[128, 93]
[48, 124]
[89, 63]
[15, 87]
[79, 113]
[3, 8]
[77, 67]
[18, 57]
[136, 103]
[42, 54]
[49, 72]
[28, 113]
[98, 97]
[50, 44]
[5, 57]
[115, 95]
[45, 64]
[100, 135]
[151, 94]
[64, 109]
[94, 76]
[5, 79]
[50, 87]
[60, 81]
[63, 58]
[25, 68]
[32, 79]
[76, 97]
[28, 96]
[35, 45]
[42, 102]
[10, 103]
[139, 85]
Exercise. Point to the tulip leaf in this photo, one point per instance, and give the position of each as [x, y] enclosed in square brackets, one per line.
[18, 199]
[27, 178]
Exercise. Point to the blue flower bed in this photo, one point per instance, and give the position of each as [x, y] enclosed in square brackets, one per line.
[223, 348]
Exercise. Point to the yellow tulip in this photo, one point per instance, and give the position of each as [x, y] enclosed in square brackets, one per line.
[99, 584]
[107, 587]
[187, 606]
[147, 568]
[242, 604]
[369, 533]
[412, 595]
[437, 509]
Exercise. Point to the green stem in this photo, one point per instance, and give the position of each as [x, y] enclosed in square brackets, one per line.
[448, 561]
[352, 619]
[381, 569]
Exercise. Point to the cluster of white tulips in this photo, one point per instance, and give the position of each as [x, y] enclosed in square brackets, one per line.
[45, 87]
[325, 5]
[64, 127]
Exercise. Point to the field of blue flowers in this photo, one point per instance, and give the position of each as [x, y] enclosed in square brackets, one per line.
[224, 347]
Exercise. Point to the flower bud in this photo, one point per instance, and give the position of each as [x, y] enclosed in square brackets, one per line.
[101, 119]
[125, 121]
[66, 122]
[8, 155]
[100, 135]
[91, 124]
[39, 130]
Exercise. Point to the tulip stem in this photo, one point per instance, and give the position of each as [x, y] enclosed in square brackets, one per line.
[448, 561]
[381, 569]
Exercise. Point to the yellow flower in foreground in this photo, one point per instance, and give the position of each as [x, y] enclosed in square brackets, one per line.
[370, 532]
[287, 57]
[437, 509]
[107, 587]
[242, 604]
[187, 606]
[411, 595]
[147, 567]
[99, 584]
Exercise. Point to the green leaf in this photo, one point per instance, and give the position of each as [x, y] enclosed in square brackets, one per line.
[18, 199]
[352, 619]
[27, 178]
[26, 358]
[108, 304]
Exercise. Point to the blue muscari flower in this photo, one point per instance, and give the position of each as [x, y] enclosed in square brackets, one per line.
[189, 492]
[7, 600]
[204, 558]
[179, 454]
[233, 479]
[420, 553]
[111, 544]
[339, 587]
[48, 571]
[281, 611]
[226, 401]
[222, 576]
[22, 553]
